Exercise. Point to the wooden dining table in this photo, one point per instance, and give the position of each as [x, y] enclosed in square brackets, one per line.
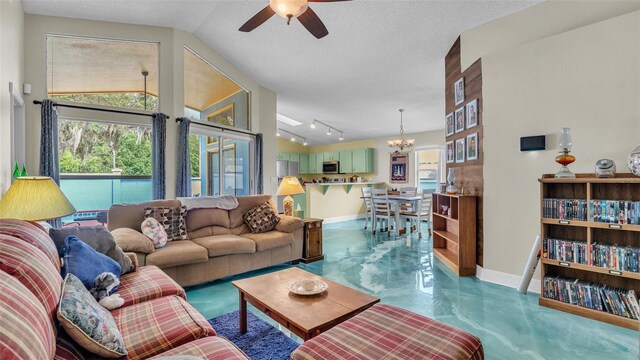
[396, 201]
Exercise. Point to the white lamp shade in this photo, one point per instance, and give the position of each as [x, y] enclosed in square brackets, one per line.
[35, 198]
[290, 186]
[288, 7]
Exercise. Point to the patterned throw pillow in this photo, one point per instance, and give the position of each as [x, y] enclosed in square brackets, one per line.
[154, 231]
[172, 219]
[87, 322]
[261, 218]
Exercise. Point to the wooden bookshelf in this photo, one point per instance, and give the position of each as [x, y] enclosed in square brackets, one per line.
[623, 187]
[454, 234]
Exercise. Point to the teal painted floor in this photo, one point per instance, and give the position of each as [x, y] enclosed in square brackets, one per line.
[402, 271]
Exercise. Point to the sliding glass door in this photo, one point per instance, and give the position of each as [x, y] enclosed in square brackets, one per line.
[226, 164]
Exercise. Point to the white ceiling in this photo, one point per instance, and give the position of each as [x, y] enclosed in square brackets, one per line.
[379, 56]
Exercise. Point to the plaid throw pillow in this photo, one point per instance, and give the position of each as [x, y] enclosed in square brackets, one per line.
[261, 218]
[172, 219]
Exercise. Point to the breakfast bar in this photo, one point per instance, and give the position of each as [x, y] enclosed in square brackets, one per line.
[337, 200]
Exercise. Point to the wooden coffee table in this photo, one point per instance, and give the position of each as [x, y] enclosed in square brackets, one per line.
[305, 316]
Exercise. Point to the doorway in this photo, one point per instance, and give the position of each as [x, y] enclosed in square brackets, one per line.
[429, 168]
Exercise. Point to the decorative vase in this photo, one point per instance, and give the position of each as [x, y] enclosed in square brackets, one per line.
[565, 158]
[451, 179]
[634, 161]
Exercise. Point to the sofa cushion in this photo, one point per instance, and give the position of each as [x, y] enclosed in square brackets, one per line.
[199, 218]
[270, 240]
[389, 332]
[178, 253]
[26, 332]
[131, 215]
[172, 218]
[32, 234]
[32, 268]
[132, 240]
[67, 349]
[147, 283]
[159, 325]
[87, 322]
[85, 263]
[98, 237]
[226, 245]
[209, 231]
[152, 229]
[210, 348]
[261, 218]
[245, 203]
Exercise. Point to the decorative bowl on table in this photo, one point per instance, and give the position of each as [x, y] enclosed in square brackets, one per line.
[308, 287]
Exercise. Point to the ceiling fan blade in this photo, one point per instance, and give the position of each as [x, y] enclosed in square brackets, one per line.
[258, 19]
[312, 22]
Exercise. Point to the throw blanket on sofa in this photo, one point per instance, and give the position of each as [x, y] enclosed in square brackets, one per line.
[209, 202]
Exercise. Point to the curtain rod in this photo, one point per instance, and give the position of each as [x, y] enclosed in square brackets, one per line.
[219, 127]
[38, 102]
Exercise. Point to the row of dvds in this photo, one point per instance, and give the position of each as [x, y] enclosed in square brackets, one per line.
[621, 302]
[565, 250]
[615, 257]
[565, 209]
[614, 211]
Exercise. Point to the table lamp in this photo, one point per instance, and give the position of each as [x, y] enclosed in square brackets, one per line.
[35, 198]
[289, 186]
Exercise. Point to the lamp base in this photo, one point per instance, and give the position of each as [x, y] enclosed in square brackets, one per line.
[287, 203]
[565, 173]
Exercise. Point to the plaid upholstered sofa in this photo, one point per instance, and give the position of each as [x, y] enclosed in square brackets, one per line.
[218, 242]
[155, 320]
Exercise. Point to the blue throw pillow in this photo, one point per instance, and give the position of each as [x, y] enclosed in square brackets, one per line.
[85, 263]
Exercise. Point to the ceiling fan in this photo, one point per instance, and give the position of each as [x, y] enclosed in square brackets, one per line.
[289, 9]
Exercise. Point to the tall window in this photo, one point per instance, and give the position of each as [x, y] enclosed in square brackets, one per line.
[220, 165]
[122, 74]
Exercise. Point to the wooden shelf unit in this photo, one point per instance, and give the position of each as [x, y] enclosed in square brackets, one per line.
[454, 235]
[623, 187]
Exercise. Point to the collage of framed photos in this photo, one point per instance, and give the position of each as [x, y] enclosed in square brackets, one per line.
[463, 118]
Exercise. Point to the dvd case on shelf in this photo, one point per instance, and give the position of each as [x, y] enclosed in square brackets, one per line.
[565, 209]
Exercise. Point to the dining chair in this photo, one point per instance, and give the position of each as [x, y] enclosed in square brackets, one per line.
[368, 205]
[409, 191]
[383, 213]
[420, 213]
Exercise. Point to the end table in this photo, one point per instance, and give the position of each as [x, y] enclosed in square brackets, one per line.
[312, 250]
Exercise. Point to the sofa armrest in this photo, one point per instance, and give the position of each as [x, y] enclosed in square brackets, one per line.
[132, 241]
[289, 224]
[134, 260]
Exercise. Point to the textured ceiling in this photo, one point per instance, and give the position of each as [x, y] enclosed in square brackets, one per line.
[379, 56]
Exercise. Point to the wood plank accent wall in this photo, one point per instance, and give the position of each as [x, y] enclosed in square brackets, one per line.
[468, 174]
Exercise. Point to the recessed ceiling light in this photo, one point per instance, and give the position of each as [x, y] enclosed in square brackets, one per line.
[287, 120]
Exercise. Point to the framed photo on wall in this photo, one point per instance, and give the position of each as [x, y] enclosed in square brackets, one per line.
[450, 124]
[472, 113]
[458, 91]
[460, 150]
[399, 167]
[472, 147]
[459, 119]
[450, 152]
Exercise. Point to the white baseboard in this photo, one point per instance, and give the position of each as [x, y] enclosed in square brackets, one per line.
[505, 279]
[342, 218]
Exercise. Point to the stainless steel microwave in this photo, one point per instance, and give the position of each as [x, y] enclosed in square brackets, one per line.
[331, 167]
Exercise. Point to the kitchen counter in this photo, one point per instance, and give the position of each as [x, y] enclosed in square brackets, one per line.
[336, 201]
[348, 185]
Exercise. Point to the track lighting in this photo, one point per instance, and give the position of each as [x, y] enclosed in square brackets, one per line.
[293, 139]
[278, 132]
[305, 142]
[341, 137]
[313, 124]
[329, 131]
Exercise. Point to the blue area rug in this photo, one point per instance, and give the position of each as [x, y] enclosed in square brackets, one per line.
[261, 342]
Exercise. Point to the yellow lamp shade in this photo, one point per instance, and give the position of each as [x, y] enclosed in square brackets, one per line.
[35, 198]
[290, 186]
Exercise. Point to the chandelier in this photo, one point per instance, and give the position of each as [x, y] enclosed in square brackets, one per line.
[401, 143]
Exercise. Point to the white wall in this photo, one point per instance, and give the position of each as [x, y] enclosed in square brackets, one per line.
[587, 79]
[11, 70]
[172, 42]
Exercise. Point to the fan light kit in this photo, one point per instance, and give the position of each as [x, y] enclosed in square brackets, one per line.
[290, 9]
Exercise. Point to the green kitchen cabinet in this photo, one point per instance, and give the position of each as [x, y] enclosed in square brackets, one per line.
[303, 164]
[319, 160]
[294, 157]
[346, 161]
[362, 160]
[283, 156]
[331, 156]
[313, 166]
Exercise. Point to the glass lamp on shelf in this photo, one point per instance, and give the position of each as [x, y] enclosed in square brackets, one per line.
[565, 158]
[452, 189]
[634, 161]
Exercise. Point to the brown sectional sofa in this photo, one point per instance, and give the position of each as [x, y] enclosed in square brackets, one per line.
[219, 243]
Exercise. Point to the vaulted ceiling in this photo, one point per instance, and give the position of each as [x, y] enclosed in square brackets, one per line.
[379, 56]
